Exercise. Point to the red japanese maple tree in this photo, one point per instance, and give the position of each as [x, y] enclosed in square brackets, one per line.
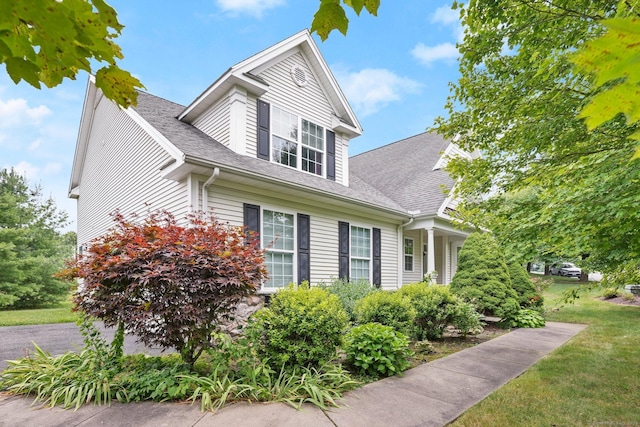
[169, 284]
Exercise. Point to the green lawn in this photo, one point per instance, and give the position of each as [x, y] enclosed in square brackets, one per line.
[593, 380]
[60, 313]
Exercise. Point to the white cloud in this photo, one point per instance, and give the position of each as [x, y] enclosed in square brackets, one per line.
[369, 90]
[31, 172]
[429, 54]
[445, 15]
[16, 112]
[447, 51]
[249, 7]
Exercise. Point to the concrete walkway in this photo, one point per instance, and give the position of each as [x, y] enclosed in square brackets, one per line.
[433, 394]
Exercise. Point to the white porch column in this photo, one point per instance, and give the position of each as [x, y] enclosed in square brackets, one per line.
[431, 252]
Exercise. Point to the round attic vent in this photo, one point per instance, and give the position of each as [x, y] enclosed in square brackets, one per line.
[299, 75]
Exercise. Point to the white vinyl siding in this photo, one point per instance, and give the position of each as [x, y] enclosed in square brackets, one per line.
[122, 171]
[227, 200]
[216, 122]
[308, 102]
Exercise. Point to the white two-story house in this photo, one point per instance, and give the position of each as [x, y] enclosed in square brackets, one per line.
[266, 146]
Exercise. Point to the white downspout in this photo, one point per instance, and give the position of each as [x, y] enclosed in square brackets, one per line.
[205, 194]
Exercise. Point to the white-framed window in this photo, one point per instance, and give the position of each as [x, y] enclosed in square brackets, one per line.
[297, 142]
[360, 246]
[279, 241]
[409, 249]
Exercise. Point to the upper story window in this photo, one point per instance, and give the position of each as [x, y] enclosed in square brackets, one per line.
[296, 142]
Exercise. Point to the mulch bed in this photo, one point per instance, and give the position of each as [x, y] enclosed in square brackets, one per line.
[622, 301]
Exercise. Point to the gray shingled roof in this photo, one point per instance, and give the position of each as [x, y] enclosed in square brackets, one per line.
[195, 144]
[404, 172]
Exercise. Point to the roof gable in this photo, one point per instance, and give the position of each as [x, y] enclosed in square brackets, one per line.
[246, 72]
[405, 172]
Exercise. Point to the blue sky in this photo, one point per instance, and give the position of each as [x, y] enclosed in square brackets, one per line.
[394, 69]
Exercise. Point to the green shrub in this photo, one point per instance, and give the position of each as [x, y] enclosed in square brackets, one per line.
[610, 293]
[387, 308]
[466, 319]
[377, 350]
[301, 327]
[482, 277]
[349, 292]
[434, 306]
[528, 295]
[628, 296]
[528, 318]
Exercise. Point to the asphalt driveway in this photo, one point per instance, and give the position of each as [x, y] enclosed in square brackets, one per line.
[17, 341]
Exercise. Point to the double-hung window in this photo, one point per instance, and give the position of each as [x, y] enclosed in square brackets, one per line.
[408, 254]
[296, 142]
[360, 253]
[278, 239]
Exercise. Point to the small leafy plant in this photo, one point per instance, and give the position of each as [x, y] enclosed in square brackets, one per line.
[528, 318]
[377, 350]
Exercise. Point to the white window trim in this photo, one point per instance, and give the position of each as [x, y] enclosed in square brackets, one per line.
[299, 143]
[370, 259]
[413, 255]
[263, 244]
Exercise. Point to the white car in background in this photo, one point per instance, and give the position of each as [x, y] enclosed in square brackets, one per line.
[566, 269]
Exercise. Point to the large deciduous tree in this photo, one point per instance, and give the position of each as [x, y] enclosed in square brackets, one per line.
[169, 283]
[46, 41]
[543, 179]
[31, 247]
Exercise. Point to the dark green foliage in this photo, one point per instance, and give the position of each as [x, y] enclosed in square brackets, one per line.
[527, 318]
[387, 308]
[482, 277]
[377, 350]
[31, 248]
[435, 307]
[349, 292]
[528, 296]
[301, 327]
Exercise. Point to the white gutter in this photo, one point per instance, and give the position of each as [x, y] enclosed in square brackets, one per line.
[205, 195]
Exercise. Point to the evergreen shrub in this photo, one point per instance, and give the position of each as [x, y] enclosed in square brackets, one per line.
[435, 307]
[300, 327]
[528, 296]
[482, 277]
[387, 308]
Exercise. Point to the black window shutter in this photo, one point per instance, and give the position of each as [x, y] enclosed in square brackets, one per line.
[263, 130]
[331, 155]
[252, 220]
[343, 250]
[304, 248]
[377, 258]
